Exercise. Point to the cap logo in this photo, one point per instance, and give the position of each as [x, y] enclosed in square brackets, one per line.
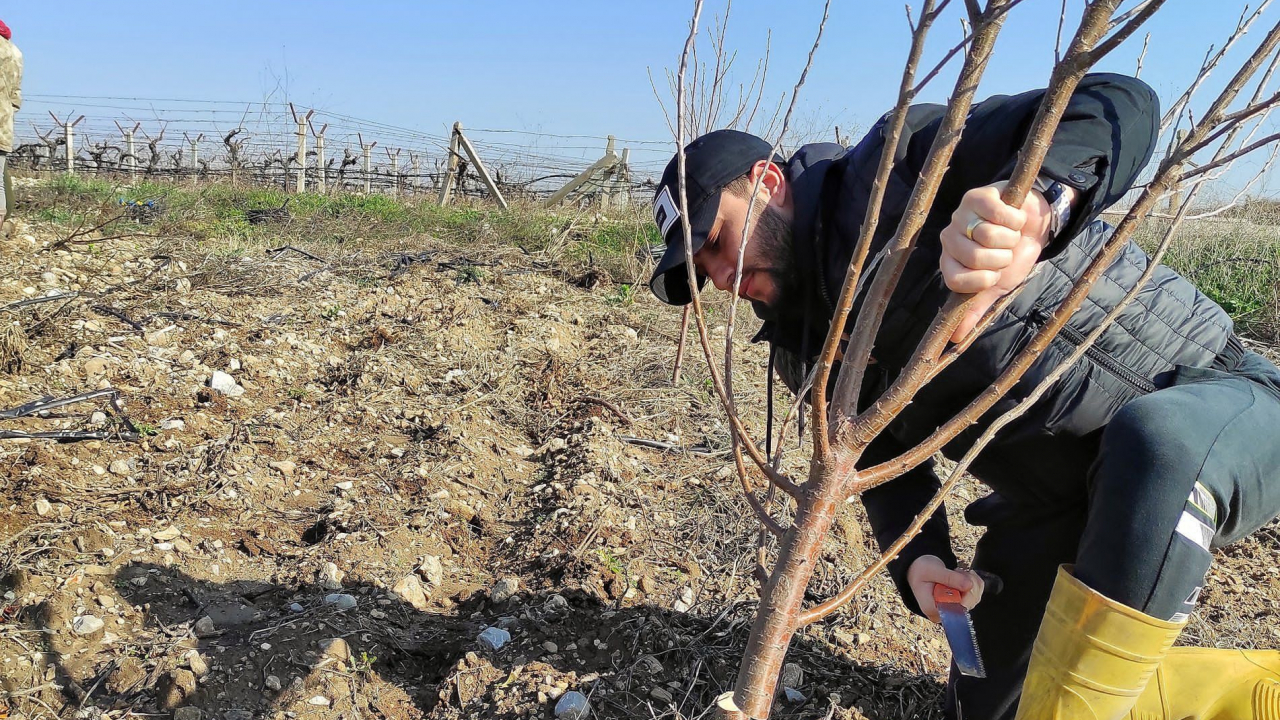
[665, 213]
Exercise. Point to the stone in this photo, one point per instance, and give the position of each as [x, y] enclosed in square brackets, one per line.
[661, 695]
[494, 638]
[188, 713]
[296, 607]
[319, 701]
[573, 705]
[551, 647]
[284, 467]
[342, 601]
[432, 570]
[43, 506]
[119, 467]
[182, 546]
[651, 664]
[792, 676]
[237, 714]
[793, 696]
[345, 485]
[411, 591]
[225, 384]
[97, 418]
[173, 424]
[169, 533]
[129, 673]
[95, 366]
[272, 683]
[87, 625]
[176, 687]
[197, 663]
[331, 577]
[685, 602]
[204, 628]
[504, 589]
[335, 648]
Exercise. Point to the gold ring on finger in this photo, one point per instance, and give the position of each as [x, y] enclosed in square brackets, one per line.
[975, 222]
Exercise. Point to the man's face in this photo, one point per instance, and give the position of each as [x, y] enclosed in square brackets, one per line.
[768, 267]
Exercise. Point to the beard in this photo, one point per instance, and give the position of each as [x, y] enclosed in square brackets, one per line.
[775, 254]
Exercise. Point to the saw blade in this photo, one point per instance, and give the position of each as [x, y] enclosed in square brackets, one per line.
[958, 627]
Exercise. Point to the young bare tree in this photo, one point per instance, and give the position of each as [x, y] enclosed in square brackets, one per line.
[841, 434]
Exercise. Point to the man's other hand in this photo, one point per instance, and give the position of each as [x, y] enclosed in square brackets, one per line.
[929, 570]
[990, 247]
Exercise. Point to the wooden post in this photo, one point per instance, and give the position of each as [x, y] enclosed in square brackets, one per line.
[322, 170]
[621, 192]
[451, 169]
[608, 161]
[480, 168]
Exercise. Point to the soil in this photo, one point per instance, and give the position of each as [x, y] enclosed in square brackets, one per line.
[462, 416]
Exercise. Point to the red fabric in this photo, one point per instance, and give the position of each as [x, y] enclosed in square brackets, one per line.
[4, 31]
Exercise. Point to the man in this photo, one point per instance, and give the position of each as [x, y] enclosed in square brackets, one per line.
[1161, 444]
[10, 101]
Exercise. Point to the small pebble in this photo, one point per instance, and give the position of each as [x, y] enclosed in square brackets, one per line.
[342, 601]
[573, 705]
[494, 638]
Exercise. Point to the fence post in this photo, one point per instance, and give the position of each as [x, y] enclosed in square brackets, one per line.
[195, 151]
[395, 171]
[620, 193]
[451, 169]
[368, 186]
[414, 167]
[480, 168]
[607, 161]
[322, 171]
[301, 183]
[69, 137]
[132, 160]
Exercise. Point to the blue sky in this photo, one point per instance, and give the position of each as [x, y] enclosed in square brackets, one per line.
[552, 67]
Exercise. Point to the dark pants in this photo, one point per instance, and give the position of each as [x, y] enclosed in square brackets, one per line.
[1189, 467]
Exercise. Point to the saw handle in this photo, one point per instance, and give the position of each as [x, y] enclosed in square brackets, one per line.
[946, 594]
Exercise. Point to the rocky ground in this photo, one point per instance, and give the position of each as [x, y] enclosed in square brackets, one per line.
[401, 480]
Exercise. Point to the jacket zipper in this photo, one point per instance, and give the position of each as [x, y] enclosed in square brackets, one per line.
[1040, 317]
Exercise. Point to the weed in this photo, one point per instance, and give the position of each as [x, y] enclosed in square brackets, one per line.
[469, 274]
[333, 312]
[611, 561]
[624, 295]
[297, 393]
[363, 665]
[146, 429]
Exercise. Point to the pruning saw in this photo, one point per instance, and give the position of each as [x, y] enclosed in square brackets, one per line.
[958, 627]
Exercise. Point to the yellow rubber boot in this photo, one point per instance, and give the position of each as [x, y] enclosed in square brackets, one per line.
[1203, 684]
[1092, 657]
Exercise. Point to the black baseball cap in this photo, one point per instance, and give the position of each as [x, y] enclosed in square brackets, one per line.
[711, 162]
